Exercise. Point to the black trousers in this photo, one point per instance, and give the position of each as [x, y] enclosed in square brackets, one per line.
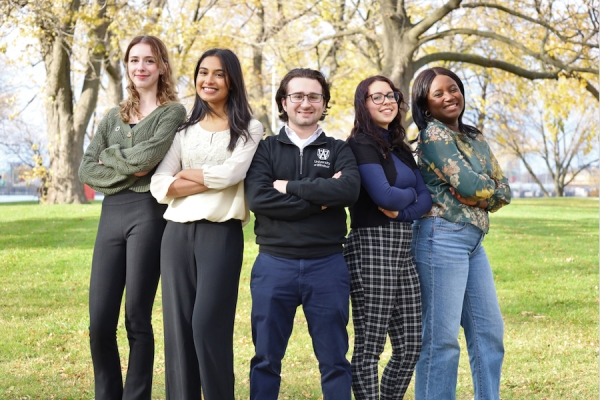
[126, 255]
[200, 267]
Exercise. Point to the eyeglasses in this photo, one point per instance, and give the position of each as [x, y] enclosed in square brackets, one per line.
[379, 98]
[299, 97]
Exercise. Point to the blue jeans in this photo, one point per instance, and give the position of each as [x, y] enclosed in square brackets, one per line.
[279, 285]
[457, 289]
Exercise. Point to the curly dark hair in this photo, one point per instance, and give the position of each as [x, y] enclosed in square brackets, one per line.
[364, 123]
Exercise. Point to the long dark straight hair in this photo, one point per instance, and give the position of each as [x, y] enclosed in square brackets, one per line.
[237, 108]
[419, 102]
[363, 123]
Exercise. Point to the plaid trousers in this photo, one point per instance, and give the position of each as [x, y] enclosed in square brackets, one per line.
[386, 299]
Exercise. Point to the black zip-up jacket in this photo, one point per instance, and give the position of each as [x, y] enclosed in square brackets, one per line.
[294, 225]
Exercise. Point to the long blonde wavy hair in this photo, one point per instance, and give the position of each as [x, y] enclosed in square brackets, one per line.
[166, 93]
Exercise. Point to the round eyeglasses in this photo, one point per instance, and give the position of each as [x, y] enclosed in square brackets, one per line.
[379, 98]
[299, 97]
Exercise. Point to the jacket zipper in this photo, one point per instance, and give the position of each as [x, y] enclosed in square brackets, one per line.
[301, 153]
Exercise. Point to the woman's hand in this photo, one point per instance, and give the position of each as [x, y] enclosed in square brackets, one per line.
[180, 175]
[473, 203]
[388, 213]
[192, 174]
[138, 174]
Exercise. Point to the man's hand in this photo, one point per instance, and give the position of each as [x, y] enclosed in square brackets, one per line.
[280, 185]
[388, 213]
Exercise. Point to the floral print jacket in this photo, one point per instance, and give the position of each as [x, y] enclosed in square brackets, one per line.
[450, 159]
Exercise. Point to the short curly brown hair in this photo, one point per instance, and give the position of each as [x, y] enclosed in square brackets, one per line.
[301, 73]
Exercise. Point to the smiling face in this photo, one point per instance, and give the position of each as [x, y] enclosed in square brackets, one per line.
[445, 101]
[211, 83]
[382, 114]
[142, 67]
[304, 116]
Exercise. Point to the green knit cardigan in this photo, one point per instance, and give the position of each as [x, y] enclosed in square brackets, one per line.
[124, 150]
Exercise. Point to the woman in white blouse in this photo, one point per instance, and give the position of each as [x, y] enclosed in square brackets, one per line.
[202, 180]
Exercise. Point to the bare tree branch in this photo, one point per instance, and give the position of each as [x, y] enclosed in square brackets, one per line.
[490, 63]
[432, 18]
[513, 43]
[545, 24]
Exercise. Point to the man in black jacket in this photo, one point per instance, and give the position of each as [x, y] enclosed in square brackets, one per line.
[298, 186]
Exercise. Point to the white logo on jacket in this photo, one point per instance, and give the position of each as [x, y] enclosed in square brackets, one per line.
[323, 154]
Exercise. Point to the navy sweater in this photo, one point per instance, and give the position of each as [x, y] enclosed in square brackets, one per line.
[386, 182]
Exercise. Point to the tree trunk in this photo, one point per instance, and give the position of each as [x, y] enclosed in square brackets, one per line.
[559, 187]
[97, 53]
[397, 60]
[401, 39]
[257, 81]
[112, 65]
[67, 125]
[255, 90]
[399, 45]
[65, 149]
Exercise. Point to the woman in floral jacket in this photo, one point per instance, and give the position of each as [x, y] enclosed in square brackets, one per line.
[457, 285]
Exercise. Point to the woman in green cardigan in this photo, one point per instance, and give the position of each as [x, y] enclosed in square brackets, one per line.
[130, 142]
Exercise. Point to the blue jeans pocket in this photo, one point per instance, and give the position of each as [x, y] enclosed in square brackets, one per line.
[442, 224]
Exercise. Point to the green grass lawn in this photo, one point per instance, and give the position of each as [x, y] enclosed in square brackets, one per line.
[544, 253]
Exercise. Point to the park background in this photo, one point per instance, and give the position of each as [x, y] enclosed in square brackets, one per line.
[531, 73]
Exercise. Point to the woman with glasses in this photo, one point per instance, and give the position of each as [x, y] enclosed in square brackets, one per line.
[202, 180]
[386, 299]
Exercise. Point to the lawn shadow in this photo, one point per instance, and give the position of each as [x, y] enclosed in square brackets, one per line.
[543, 227]
[76, 232]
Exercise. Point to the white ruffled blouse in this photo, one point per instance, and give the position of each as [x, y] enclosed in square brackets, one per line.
[224, 174]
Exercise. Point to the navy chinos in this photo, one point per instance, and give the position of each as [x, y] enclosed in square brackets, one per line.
[322, 286]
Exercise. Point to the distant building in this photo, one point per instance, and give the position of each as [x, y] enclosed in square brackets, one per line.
[11, 182]
[523, 184]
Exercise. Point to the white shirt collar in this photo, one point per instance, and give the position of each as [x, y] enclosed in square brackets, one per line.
[302, 143]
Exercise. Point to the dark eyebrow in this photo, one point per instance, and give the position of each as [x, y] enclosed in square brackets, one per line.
[221, 70]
